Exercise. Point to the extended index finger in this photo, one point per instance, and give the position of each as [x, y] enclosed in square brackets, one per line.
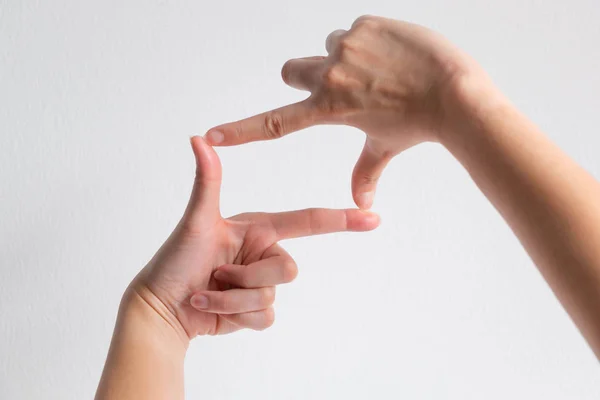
[266, 126]
[318, 221]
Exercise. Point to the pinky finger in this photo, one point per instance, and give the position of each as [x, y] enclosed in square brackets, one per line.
[255, 320]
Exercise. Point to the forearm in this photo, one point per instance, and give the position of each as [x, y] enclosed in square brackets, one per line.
[147, 351]
[550, 202]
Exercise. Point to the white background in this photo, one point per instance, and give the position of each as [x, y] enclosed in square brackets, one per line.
[97, 101]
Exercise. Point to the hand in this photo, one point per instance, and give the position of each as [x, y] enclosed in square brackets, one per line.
[214, 275]
[395, 81]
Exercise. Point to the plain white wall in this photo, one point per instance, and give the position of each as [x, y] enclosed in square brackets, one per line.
[97, 100]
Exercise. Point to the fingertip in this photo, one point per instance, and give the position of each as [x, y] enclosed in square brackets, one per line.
[214, 137]
[361, 220]
[206, 157]
[195, 141]
[371, 220]
[219, 275]
[223, 273]
[364, 200]
[201, 147]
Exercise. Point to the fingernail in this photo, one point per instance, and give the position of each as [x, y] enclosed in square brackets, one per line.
[200, 302]
[365, 200]
[214, 137]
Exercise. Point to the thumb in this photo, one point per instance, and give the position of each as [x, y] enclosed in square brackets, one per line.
[204, 200]
[367, 171]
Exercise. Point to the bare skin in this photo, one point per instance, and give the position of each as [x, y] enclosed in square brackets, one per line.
[213, 276]
[403, 84]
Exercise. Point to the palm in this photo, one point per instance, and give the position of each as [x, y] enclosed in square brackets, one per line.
[233, 264]
[238, 240]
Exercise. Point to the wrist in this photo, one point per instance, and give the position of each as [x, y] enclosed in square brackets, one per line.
[142, 307]
[146, 353]
[471, 103]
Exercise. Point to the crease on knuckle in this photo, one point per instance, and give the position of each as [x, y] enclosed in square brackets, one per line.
[312, 220]
[273, 126]
[235, 131]
[189, 228]
[367, 179]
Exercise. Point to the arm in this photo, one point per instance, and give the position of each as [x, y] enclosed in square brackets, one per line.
[550, 202]
[402, 85]
[146, 355]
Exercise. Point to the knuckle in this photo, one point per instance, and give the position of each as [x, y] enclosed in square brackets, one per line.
[333, 77]
[367, 179]
[366, 25]
[370, 24]
[311, 219]
[268, 296]
[360, 20]
[243, 279]
[268, 319]
[345, 45]
[273, 125]
[189, 228]
[236, 132]
[363, 19]
[289, 271]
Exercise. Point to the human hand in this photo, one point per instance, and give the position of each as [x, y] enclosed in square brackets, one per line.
[214, 275]
[398, 82]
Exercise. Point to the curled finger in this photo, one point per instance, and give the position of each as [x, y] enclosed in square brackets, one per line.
[255, 320]
[276, 267]
[233, 301]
